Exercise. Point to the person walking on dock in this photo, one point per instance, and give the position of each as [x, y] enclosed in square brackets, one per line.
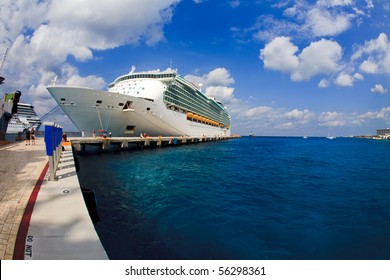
[28, 135]
[33, 136]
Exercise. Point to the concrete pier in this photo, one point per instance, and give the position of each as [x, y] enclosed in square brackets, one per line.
[42, 219]
[79, 143]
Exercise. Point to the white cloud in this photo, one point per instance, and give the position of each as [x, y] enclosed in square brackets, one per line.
[379, 89]
[260, 112]
[322, 22]
[216, 84]
[383, 114]
[221, 93]
[217, 77]
[43, 34]
[268, 117]
[323, 83]
[304, 20]
[374, 56]
[333, 3]
[344, 80]
[321, 57]
[332, 119]
[300, 117]
[358, 76]
[369, 66]
[266, 120]
[279, 55]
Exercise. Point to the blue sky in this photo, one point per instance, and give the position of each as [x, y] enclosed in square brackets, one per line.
[290, 67]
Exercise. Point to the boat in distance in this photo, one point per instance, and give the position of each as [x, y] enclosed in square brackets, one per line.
[155, 103]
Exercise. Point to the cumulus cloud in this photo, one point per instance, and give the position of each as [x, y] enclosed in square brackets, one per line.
[321, 57]
[382, 114]
[323, 83]
[224, 94]
[41, 35]
[374, 56]
[322, 22]
[216, 84]
[217, 77]
[379, 89]
[267, 119]
[347, 80]
[322, 18]
[332, 119]
[344, 80]
[300, 116]
[279, 55]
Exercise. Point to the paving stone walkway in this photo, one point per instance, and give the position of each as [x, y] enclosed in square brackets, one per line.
[20, 168]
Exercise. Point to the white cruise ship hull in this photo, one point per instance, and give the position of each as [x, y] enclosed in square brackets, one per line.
[126, 115]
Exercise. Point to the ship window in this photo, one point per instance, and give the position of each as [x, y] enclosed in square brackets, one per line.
[98, 101]
[120, 104]
[130, 129]
[128, 105]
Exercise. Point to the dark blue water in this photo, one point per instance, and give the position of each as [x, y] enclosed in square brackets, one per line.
[247, 198]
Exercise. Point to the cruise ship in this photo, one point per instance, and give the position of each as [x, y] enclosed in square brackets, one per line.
[24, 118]
[155, 103]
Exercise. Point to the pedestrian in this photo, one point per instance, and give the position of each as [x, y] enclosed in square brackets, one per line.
[109, 134]
[33, 136]
[82, 133]
[28, 135]
[94, 133]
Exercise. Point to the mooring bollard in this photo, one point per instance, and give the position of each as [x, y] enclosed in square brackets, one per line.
[53, 138]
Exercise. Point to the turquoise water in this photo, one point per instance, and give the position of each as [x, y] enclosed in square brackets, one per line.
[247, 198]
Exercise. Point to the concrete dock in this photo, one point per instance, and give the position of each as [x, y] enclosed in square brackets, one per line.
[42, 219]
[105, 143]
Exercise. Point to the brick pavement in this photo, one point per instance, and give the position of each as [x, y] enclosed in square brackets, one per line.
[20, 168]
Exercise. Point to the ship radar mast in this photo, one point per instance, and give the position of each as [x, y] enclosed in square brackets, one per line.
[132, 69]
[54, 80]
